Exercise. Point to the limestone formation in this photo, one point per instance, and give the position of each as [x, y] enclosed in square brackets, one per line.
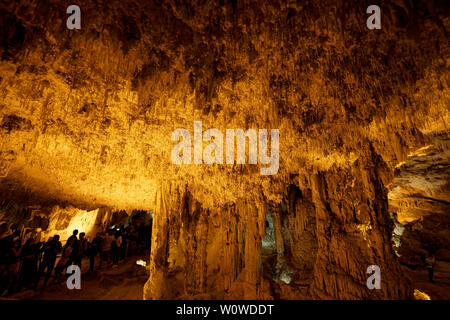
[86, 119]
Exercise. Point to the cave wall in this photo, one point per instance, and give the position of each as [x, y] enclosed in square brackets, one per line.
[44, 222]
[217, 253]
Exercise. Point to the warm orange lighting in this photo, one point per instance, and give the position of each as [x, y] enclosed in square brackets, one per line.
[419, 295]
[81, 220]
[141, 263]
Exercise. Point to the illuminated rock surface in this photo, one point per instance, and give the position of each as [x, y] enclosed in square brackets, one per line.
[86, 119]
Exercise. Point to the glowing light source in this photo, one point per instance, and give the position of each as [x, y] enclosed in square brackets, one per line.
[141, 263]
[81, 220]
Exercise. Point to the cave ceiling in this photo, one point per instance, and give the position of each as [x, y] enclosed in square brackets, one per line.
[87, 115]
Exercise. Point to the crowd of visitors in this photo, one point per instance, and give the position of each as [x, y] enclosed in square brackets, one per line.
[25, 262]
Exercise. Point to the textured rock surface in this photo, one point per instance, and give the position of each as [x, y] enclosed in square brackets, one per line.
[45, 222]
[422, 184]
[87, 116]
[420, 198]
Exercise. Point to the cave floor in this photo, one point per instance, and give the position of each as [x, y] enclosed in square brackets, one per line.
[122, 282]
